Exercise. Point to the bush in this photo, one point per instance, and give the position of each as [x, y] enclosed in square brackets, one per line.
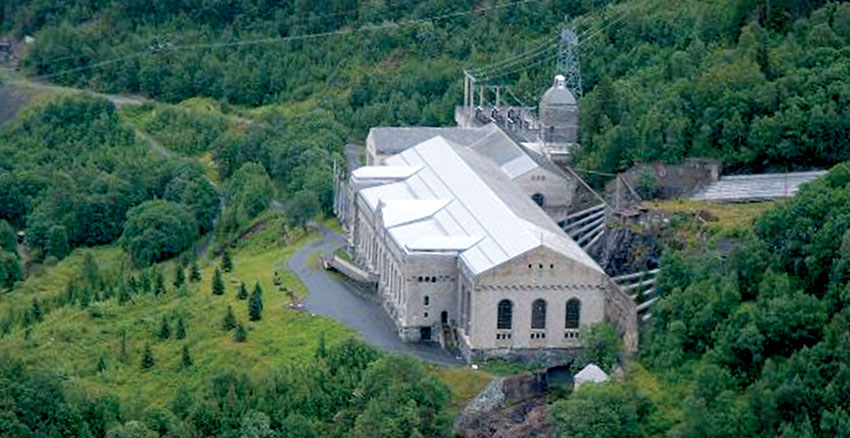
[10, 269]
[158, 230]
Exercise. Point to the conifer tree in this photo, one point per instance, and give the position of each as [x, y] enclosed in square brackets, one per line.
[322, 349]
[164, 329]
[240, 335]
[133, 284]
[179, 277]
[195, 273]
[217, 283]
[255, 305]
[70, 293]
[123, 344]
[36, 311]
[159, 284]
[229, 320]
[86, 299]
[147, 358]
[123, 294]
[180, 333]
[101, 364]
[186, 360]
[243, 292]
[108, 293]
[145, 281]
[226, 263]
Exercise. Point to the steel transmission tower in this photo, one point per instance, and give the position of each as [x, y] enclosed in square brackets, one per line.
[568, 61]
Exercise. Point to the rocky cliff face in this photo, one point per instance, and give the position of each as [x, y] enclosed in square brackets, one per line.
[624, 251]
[512, 406]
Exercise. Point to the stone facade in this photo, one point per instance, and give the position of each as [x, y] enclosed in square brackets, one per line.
[464, 257]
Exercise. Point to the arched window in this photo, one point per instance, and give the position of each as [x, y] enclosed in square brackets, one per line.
[573, 313]
[506, 314]
[538, 199]
[538, 314]
[427, 300]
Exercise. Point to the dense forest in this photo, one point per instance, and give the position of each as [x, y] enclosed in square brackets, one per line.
[759, 85]
[756, 344]
[347, 390]
[753, 344]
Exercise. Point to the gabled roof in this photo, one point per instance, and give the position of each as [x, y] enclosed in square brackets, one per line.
[462, 203]
[489, 141]
[390, 140]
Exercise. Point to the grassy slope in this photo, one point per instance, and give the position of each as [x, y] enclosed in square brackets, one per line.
[71, 340]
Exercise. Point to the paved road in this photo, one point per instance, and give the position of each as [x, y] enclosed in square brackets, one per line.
[332, 296]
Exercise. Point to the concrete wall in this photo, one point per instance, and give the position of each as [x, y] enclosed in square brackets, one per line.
[559, 123]
[559, 280]
[434, 276]
[557, 190]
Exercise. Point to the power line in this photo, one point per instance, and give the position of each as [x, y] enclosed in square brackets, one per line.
[305, 37]
[590, 33]
[509, 59]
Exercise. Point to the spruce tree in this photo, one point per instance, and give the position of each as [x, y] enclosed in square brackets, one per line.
[86, 299]
[101, 364]
[255, 305]
[179, 277]
[164, 329]
[240, 335]
[229, 320]
[147, 358]
[36, 311]
[133, 284]
[123, 344]
[159, 284]
[322, 349]
[217, 283]
[145, 282]
[186, 360]
[180, 333]
[123, 294]
[243, 292]
[226, 263]
[195, 273]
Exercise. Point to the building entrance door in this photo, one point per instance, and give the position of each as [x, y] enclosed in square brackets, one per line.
[425, 333]
[444, 317]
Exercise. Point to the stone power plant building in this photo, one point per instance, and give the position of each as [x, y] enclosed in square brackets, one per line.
[458, 227]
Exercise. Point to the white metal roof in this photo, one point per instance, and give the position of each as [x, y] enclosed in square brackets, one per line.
[475, 211]
[450, 243]
[385, 172]
[400, 211]
[489, 141]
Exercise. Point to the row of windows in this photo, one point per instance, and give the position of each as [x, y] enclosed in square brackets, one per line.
[538, 335]
[538, 177]
[426, 279]
[540, 266]
[503, 336]
[505, 314]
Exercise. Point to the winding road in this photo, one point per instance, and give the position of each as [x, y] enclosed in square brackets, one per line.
[333, 296]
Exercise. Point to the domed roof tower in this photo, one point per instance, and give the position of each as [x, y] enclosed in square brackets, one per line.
[559, 113]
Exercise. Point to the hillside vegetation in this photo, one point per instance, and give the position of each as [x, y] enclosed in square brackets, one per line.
[760, 85]
[753, 345]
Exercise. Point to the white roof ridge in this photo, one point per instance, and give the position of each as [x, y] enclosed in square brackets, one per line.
[415, 218]
[471, 170]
